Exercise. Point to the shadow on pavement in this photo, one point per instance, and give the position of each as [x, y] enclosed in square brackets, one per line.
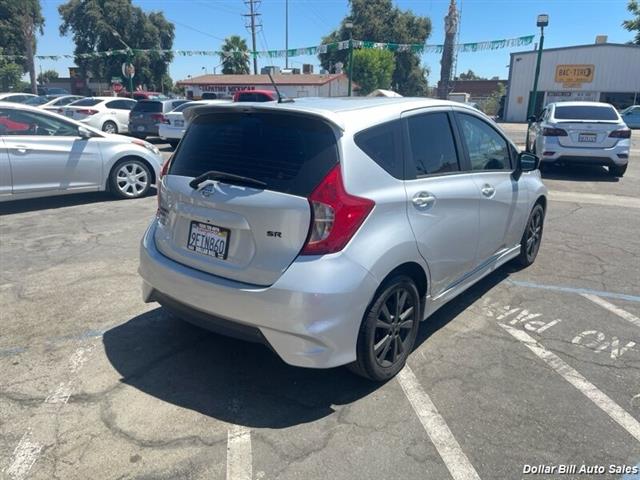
[578, 173]
[239, 382]
[46, 203]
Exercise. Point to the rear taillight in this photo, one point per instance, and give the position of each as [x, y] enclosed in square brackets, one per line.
[162, 211]
[553, 132]
[165, 167]
[622, 133]
[335, 215]
[87, 111]
[158, 117]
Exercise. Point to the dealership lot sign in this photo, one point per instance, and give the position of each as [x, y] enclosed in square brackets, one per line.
[574, 75]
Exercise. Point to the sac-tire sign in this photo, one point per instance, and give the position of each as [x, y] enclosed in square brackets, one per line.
[574, 75]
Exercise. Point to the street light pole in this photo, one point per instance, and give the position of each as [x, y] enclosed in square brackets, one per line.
[349, 25]
[129, 58]
[543, 21]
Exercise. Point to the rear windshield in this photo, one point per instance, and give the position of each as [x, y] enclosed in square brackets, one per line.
[182, 106]
[290, 153]
[37, 101]
[585, 112]
[86, 102]
[144, 106]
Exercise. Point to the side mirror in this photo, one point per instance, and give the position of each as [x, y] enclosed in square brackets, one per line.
[526, 162]
[84, 133]
[532, 119]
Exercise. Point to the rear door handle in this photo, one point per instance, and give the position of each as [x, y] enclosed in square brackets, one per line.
[487, 190]
[423, 200]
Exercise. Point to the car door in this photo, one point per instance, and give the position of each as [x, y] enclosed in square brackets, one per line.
[632, 117]
[46, 153]
[442, 199]
[503, 203]
[120, 109]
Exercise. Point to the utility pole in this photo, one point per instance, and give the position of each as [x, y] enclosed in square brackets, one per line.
[253, 5]
[450, 29]
[286, 34]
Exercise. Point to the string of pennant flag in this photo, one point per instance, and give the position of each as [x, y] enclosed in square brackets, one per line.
[296, 52]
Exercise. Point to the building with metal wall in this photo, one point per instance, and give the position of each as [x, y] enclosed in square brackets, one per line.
[604, 72]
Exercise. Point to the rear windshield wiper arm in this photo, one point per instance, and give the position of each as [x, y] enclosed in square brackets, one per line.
[227, 178]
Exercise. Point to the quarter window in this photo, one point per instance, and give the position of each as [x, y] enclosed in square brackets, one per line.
[433, 148]
[380, 144]
[120, 104]
[488, 150]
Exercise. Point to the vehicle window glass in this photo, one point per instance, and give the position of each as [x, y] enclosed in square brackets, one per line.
[86, 102]
[585, 112]
[65, 101]
[290, 153]
[180, 108]
[16, 122]
[248, 97]
[488, 150]
[148, 106]
[433, 148]
[379, 143]
[177, 103]
[36, 101]
[120, 104]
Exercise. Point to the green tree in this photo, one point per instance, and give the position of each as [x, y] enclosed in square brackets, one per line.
[373, 69]
[491, 104]
[20, 21]
[380, 21]
[103, 25]
[633, 25]
[47, 76]
[10, 74]
[235, 56]
[469, 75]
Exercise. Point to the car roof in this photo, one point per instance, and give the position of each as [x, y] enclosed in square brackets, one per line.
[352, 113]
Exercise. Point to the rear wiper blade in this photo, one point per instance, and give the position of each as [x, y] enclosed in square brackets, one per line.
[227, 178]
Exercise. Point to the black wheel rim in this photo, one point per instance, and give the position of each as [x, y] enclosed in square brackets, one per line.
[534, 234]
[394, 324]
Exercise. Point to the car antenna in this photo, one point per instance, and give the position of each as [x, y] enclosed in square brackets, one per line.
[280, 99]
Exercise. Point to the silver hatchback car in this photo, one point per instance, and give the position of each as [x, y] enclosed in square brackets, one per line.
[329, 228]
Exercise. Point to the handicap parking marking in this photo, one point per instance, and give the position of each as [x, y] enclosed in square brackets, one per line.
[588, 389]
[449, 449]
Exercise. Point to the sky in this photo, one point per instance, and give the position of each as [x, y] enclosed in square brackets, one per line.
[203, 24]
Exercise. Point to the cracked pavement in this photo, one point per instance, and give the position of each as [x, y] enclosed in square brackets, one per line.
[96, 384]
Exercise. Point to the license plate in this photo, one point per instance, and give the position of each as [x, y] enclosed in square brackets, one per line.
[141, 128]
[587, 137]
[208, 240]
[179, 123]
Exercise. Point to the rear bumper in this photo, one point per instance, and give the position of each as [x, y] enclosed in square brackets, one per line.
[143, 129]
[616, 155]
[310, 317]
[170, 132]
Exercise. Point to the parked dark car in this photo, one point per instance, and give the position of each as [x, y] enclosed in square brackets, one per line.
[148, 114]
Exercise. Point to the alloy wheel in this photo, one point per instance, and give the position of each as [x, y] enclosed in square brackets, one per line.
[109, 127]
[394, 322]
[132, 180]
[534, 233]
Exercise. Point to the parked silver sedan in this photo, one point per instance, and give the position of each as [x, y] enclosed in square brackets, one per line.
[329, 228]
[42, 154]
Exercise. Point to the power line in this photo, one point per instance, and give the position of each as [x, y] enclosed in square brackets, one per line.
[195, 29]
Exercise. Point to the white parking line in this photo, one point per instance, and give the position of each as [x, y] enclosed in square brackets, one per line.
[613, 309]
[448, 448]
[24, 456]
[239, 461]
[588, 389]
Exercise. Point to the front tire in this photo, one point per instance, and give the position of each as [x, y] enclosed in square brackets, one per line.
[109, 127]
[532, 237]
[617, 170]
[130, 178]
[388, 331]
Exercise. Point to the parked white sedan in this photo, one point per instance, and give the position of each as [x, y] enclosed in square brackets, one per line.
[173, 126]
[44, 154]
[52, 102]
[109, 114]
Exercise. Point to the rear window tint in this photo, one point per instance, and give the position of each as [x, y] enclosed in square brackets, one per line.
[86, 102]
[380, 144]
[585, 112]
[290, 153]
[144, 106]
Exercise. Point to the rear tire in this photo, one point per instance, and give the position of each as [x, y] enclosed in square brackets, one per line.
[532, 237]
[388, 331]
[130, 178]
[617, 171]
[109, 127]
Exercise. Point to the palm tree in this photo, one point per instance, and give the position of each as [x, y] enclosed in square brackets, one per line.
[235, 56]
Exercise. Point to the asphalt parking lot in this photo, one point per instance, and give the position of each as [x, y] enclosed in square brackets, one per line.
[529, 367]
